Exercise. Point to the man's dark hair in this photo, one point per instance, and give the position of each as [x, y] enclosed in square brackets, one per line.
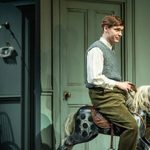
[111, 21]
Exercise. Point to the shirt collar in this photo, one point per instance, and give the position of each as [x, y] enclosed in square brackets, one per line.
[106, 42]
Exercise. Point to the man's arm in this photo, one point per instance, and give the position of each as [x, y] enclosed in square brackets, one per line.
[95, 62]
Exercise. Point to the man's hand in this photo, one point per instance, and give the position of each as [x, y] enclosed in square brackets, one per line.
[126, 86]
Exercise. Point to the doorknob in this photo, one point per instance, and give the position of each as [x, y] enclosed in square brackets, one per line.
[67, 95]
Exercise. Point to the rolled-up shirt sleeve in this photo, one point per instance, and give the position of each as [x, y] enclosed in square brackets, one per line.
[95, 62]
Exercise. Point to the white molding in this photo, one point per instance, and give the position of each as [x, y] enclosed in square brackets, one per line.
[130, 41]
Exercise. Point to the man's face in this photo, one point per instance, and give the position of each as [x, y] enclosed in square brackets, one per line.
[113, 34]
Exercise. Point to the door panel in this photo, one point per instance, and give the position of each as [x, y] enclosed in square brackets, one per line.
[80, 26]
[74, 66]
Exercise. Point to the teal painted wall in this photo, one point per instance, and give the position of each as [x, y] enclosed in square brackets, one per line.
[142, 42]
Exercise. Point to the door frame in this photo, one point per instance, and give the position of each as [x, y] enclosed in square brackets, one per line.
[31, 80]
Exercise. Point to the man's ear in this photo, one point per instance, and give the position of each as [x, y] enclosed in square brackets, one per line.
[105, 28]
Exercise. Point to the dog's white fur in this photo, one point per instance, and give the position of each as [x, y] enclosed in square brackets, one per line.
[70, 124]
[140, 100]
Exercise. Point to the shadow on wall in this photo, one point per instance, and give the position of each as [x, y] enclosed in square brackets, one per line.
[7, 141]
[46, 135]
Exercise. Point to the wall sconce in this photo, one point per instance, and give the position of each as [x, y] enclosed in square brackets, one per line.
[6, 51]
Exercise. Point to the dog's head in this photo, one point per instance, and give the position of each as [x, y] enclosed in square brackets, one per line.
[142, 99]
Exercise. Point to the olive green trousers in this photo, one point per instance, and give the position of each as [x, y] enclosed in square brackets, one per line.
[111, 103]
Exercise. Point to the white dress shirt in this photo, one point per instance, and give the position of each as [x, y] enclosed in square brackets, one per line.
[95, 62]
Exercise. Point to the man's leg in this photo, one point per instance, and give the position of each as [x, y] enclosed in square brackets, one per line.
[112, 105]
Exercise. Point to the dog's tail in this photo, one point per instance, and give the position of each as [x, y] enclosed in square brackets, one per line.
[70, 124]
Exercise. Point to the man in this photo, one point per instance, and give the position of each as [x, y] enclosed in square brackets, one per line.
[107, 92]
